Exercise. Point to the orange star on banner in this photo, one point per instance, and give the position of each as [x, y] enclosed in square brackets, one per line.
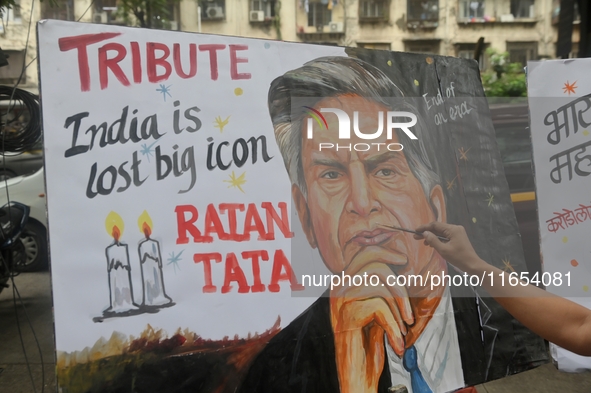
[508, 267]
[570, 87]
[463, 153]
[452, 184]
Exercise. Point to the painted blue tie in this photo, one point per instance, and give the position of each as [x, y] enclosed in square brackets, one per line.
[418, 383]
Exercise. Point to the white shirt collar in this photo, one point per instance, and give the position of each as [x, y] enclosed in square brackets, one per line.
[438, 352]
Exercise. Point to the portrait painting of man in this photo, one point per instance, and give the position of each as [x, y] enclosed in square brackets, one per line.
[253, 168]
[367, 338]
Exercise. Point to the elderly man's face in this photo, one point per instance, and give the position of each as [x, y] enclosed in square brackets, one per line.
[351, 192]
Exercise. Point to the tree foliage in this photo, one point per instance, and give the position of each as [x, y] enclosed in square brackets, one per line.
[502, 78]
[151, 14]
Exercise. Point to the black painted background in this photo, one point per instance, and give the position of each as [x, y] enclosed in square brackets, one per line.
[508, 347]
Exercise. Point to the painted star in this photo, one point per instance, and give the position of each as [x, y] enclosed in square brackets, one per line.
[147, 150]
[236, 181]
[463, 153]
[451, 185]
[164, 90]
[219, 123]
[570, 87]
[507, 266]
[174, 260]
[490, 199]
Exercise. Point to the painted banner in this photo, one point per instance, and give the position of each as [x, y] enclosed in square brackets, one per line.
[560, 110]
[206, 193]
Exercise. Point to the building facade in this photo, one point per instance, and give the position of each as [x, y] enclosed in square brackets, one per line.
[21, 52]
[525, 28]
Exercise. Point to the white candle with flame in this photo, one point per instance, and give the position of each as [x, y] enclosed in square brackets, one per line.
[151, 265]
[118, 268]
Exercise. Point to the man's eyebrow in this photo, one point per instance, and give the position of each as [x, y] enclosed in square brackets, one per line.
[374, 161]
[328, 162]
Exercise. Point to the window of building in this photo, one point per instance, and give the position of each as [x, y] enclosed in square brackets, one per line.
[423, 10]
[16, 10]
[12, 14]
[374, 45]
[373, 9]
[423, 46]
[169, 19]
[522, 8]
[471, 9]
[105, 11]
[556, 12]
[9, 74]
[466, 51]
[213, 9]
[106, 3]
[267, 6]
[318, 14]
[522, 52]
[58, 9]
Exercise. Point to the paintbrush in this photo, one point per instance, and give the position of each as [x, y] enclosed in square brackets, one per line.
[443, 239]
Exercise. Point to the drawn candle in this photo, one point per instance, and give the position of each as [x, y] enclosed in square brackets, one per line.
[151, 266]
[118, 268]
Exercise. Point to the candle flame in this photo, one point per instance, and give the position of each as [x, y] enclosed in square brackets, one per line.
[114, 225]
[144, 222]
[146, 229]
[116, 233]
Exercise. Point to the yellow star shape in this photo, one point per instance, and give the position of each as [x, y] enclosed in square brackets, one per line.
[219, 123]
[451, 184]
[463, 153]
[490, 199]
[507, 266]
[236, 181]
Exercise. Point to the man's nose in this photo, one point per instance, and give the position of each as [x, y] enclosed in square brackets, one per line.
[361, 198]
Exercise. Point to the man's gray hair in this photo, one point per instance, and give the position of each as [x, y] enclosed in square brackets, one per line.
[333, 77]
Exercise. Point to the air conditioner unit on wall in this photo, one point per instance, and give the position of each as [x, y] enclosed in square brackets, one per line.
[336, 27]
[257, 16]
[100, 17]
[214, 12]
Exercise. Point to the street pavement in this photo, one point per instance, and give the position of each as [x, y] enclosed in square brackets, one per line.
[35, 293]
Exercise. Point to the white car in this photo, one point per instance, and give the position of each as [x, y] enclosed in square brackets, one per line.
[30, 190]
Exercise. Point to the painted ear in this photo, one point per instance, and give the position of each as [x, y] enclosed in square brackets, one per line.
[438, 203]
[304, 214]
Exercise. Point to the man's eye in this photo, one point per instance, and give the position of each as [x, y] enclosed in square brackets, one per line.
[331, 175]
[385, 173]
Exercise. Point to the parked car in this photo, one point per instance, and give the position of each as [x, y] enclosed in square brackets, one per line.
[30, 190]
[12, 164]
[512, 131]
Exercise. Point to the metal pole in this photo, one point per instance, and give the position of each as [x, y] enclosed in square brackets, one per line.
[584, 29]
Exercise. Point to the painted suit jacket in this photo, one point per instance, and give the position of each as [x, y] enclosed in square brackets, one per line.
[301, 357]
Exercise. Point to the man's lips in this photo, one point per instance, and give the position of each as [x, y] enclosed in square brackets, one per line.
[371, 238]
